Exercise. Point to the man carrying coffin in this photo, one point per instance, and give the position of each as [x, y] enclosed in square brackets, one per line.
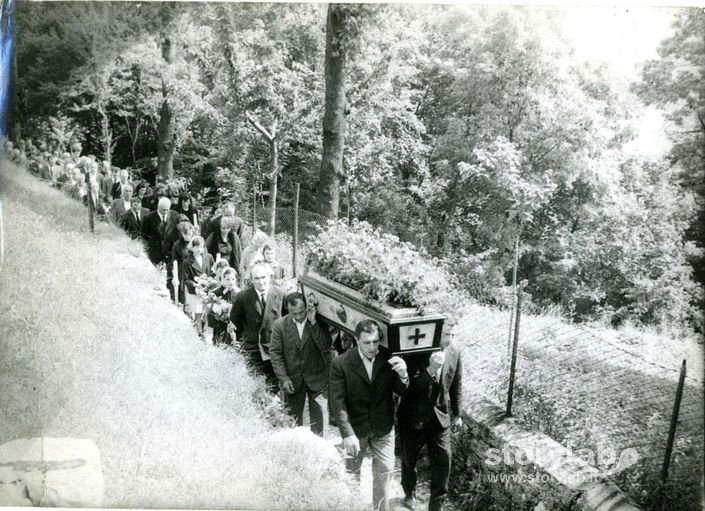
[362, 383]
[428, 409]
[301, 354]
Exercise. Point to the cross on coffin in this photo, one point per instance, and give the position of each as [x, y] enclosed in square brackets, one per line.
[417, 337]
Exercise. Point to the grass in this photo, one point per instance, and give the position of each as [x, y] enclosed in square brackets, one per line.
[90, 350]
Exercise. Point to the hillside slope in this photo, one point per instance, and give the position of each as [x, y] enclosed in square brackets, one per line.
[90, 350]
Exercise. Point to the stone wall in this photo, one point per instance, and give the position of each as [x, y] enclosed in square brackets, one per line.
[499, 463]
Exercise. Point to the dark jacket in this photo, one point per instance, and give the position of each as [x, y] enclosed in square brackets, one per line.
[192, 270]
[254, 326]
[306, 360]
[131, 224]
[234, 256]
[360, 406]
[154, 232]
[426, 400]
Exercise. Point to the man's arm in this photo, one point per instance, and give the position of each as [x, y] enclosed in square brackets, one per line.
[237, 315]
[323, 340]
[337, 398]
[456, 389]
[276, 352]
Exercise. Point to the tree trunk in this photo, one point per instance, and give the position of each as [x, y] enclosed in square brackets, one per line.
[107, 134]
[334, 116]
[165, 129]
[273, 178]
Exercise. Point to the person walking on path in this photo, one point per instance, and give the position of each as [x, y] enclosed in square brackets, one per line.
[301, 355]
[254, 312]
[362, 383]
[427, 410]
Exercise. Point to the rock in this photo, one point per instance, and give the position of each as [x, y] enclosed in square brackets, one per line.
[54, 472]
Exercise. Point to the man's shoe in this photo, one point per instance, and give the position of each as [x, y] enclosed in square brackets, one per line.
[410, 502]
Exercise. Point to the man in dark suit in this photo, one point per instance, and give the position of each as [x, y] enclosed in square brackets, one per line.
[300, 350]
[131, 220]
[116, 191]
[426, 413]
[213, 225]
[253, 313]
[362, 383]
[154, 227]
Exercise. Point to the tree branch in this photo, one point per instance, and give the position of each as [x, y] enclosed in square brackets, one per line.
[260, 128]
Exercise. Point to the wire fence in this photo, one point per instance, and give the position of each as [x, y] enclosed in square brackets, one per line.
[607, 396]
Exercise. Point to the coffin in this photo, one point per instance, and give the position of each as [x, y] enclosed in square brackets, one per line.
[404, 330]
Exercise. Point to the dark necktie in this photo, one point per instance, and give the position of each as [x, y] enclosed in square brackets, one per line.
[261, 300]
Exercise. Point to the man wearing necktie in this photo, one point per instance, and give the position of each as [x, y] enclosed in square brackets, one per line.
[426, 413]
[253, 313]
[301, 356]
[131, 219]
[155, 225]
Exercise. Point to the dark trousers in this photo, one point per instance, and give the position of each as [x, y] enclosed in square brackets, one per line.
[437, 442]
[263, 367]
[316, 404]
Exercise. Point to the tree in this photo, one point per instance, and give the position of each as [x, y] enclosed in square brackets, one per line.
[676, 83]
[334, 116]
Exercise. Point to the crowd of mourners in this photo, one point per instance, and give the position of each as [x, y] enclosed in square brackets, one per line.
[165, 217]
[349, 379]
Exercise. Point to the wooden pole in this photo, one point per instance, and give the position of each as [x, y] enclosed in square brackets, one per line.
[296, 230]
[514, 291]
[254, 208]
[512, 369]
[672, 429]
[91, 208]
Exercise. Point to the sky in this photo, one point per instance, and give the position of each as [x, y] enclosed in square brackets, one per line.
[624, 37]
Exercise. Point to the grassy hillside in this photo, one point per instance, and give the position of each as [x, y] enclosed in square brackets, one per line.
[88, 349]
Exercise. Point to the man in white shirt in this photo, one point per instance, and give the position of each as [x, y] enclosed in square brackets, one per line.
[300, 349]
[120, 206]
[362, 383]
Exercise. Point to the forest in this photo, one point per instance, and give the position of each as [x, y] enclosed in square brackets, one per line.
[473, 133]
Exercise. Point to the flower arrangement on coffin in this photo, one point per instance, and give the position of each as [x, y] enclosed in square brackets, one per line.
[380, 266]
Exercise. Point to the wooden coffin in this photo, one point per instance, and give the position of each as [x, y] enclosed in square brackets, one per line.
[405, 331]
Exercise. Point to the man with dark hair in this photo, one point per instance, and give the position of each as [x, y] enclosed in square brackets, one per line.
[131, 220]
[426, 413]
[362, 383]
[301, 356]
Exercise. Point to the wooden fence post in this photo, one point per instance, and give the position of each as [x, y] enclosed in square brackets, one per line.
[512, 368]
[296, 230]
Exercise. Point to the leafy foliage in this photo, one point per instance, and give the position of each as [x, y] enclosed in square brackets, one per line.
[468, 129]
[380, 266]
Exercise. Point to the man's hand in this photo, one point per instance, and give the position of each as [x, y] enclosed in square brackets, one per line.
[288, 387]
[311, 313]
[399, 367]
[231, 329]
[436, 362]
[457, 423]
[351, 445]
